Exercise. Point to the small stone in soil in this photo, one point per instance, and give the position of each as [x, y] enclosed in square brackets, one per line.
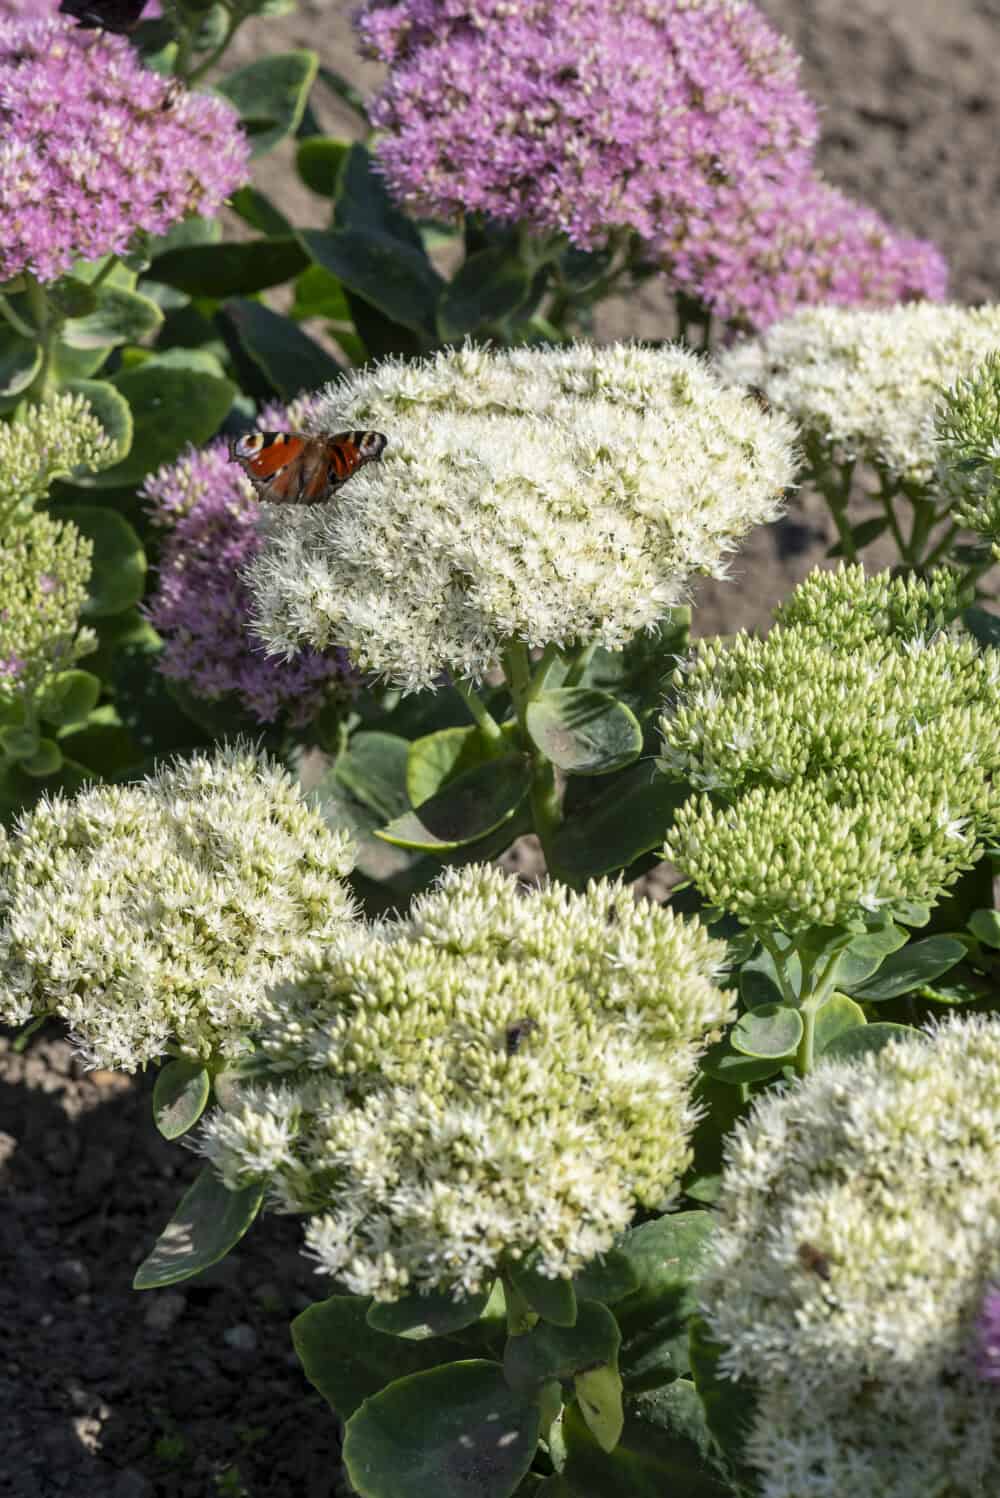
[73, 1275]
[241, 1338]
[165, 1310]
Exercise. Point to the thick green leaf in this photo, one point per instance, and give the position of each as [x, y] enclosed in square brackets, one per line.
[208, 1222]
[862, 1040]
[364, 202]
[436, 758]
[909, 912]
[985, 926]
[180, 1094]
[768, 1032]
[629, 817]
[348, 1361]
[69, 697]
[236, 268]
[962, 986]
[72, 297]
[549, 1351]
[380, 336]
[489, 287]
[172, 403]
[271, 96]
[397, 872]
[456, 1431]
[667, 1256]
[120, 317]
[609, 1278]
[984, 625]
[418, 1317]
[837, 1015]
[599, 1399]
[658, 1455]
[552, 1299]
[724, 1064]
[318, 294]
[374, 771]
[257, 210]
[397, 279]
[866, 954]
[46, 759]
[20, 361]
[583, 731]
[288, 360]
[118, 570]
[468, 808]
[319, 161]
[917, 963]
[759, 977]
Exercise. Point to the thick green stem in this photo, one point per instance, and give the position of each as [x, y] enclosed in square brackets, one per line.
[25, 330]
[836, 495]
[48, 325]
[923, 523]
[805, 1056]
[484, 720]
[546, 807]
[520, 1317]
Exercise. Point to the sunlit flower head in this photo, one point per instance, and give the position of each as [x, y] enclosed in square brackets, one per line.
[96, 146]
[155, 915]
[886, 1172]
[493, 1075]
[867, 384]
[968, 448]
[552, 495]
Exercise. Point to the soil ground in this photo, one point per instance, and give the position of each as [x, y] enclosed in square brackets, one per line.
[194, 1392]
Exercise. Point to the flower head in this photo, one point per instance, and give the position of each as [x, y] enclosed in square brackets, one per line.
[44, 571]
[541, 495]
[96, 147]
[496, 1074]
[867, 384]
[47, 441]
[987, 1339]
[968, 448]
[846, 761]
[201, 605]
[888, 1169]
[237, 883]
[684, 123]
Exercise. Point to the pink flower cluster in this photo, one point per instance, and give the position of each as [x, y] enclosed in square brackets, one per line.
[682, 121]
[988, 1337]
[94, 147]
[201, 605]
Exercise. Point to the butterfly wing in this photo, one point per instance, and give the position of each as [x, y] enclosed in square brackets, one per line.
[288, 469]
[119, 16]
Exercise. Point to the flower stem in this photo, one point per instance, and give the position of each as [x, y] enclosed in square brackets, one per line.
[48, 326]
[579, 663]
[484, 720]
[836, 495]
[546, 807]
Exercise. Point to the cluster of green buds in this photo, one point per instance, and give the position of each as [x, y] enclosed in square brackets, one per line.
[45, 566]
[968, 438]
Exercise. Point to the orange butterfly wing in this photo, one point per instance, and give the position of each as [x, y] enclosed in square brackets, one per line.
[286, 469]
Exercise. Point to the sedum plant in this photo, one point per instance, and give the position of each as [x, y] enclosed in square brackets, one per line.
[864, 387]
[238, 882]
[844, 775]
[968, 452]
[857, 1237]
[555, 500]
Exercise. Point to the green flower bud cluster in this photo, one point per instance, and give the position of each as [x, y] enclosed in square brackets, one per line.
[152, 917]
[43, 442]
[44, 571]
[968, 436]
[841, 769]
[494, 1075]
[858, 1229]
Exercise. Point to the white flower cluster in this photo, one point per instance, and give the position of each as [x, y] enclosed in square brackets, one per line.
[858, 1229]
[867, 384]
[154, 916]
[496, 1074]
[851, 756]
[543, 495]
